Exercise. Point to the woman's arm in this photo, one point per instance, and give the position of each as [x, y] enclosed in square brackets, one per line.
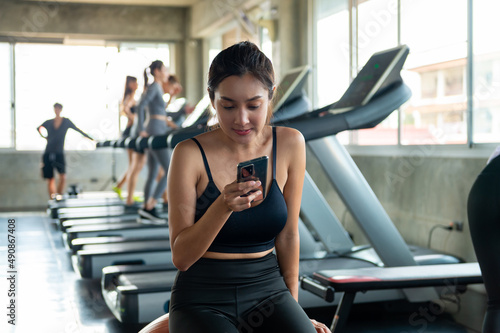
[171, 124]
[189, 240]
[288, 242]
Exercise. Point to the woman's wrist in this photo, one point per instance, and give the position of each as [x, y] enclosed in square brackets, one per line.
[224, 207]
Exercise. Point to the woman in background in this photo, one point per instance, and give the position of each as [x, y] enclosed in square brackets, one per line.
[157, 125]
[127, 108]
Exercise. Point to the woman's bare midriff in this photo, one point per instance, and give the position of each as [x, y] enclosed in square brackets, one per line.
[220, 255]
[158, 116]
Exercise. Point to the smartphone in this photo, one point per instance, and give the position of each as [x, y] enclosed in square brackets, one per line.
[255, 169]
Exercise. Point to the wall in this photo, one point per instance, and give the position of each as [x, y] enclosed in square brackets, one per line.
[91, 23]
[22, 186]
[291, 45]
[27, 20]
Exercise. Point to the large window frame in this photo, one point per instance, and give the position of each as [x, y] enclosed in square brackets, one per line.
[468, 149]
[8, 100]
[12, 145]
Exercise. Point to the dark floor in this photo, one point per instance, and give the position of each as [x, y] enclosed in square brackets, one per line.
[52, 298]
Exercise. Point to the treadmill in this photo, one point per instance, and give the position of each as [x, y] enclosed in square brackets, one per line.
[120, 233]
[90, 199]
[332, 246]
[115, 208]
[114, 212]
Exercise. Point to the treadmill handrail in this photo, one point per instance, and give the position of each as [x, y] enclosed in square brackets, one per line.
[312, 125]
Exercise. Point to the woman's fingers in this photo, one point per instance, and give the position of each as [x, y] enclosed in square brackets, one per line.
[242, 189]
[320, 327]
[239, 196]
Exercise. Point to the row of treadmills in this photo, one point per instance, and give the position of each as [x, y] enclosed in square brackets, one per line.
[133, 258]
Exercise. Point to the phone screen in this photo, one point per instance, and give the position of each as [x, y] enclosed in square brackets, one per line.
[255, 169]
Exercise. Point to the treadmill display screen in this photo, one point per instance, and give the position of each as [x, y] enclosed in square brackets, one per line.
[287, 87]
[370, 78]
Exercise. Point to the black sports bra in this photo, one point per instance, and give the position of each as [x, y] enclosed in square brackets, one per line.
[251, 230]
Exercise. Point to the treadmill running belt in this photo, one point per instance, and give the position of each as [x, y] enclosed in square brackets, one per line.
[147, 281]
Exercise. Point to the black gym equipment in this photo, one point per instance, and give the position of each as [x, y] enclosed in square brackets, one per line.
[483, 210]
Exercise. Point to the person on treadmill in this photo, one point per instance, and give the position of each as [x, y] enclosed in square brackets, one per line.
[222, 236]
[53, 157]
[158, 124]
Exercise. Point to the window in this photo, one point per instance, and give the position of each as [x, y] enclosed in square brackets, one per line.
[486, 82]
[87, 80]
[214, 47]
[74, 76]
[435, 71]
[6, 121]
[266, 43]
[377, 31]
[332, 54]
[131, 60]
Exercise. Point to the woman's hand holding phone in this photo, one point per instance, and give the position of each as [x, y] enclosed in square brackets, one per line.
[250, 184]
[239, 196]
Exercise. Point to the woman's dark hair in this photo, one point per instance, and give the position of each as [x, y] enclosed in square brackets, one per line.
[157, 64]
[172, 79]
[240, 59]
[128, 81]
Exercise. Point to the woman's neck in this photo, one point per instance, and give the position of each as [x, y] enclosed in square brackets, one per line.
[253, 147]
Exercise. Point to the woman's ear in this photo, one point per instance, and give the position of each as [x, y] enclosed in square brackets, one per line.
[211, 100]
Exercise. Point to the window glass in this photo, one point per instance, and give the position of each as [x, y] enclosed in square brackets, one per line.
[214, 47]
[87, 80]
[266, 44]
[377, 31]
[131, 60]
[6, 134]
[435, 71]
[486, 81]
[74, 76]
[332, 54]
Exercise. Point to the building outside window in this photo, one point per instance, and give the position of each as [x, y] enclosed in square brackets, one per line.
[436, 69]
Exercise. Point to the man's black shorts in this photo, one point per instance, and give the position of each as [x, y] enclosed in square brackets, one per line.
[51, 161]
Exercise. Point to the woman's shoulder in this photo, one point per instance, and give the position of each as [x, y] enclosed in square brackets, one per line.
[185, 147]
[157, 86]
[289, 137]
[208, 138]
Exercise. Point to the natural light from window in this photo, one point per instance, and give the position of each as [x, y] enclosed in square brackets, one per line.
[5, 97]
[87, 80]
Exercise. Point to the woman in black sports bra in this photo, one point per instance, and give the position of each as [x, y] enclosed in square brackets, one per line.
[222, 242]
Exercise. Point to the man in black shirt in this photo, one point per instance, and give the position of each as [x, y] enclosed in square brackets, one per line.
[53, 156]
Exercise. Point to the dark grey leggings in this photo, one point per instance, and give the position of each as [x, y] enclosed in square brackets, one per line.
[483, 209]
[156, 158]
[235, 296]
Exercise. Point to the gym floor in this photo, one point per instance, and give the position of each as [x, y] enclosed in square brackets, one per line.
[50, 297]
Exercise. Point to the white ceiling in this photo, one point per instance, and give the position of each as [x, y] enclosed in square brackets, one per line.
[175, 3]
